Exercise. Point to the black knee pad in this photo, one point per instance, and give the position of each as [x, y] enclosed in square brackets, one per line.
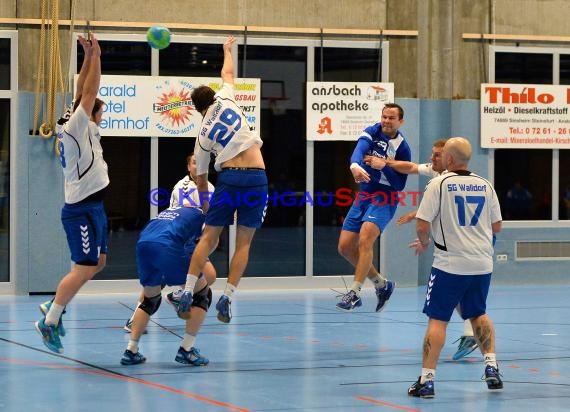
[151, 305]
[203, 298]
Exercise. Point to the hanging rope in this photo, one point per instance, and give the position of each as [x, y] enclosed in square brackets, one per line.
[54, 73]
[41, 65]
[68, 75]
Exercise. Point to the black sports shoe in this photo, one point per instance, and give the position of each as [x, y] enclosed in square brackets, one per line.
[422, 390]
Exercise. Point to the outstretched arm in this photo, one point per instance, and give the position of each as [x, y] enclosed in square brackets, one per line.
[407, 218]
[93, 78]
[228, 66]
[87, 51]
[409, 168]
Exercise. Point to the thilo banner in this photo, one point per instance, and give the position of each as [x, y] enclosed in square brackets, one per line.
[342, 110]
[161, 106]
[525, 116]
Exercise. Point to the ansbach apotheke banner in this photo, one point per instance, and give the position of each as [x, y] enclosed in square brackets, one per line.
[525, 116]
[342, 110]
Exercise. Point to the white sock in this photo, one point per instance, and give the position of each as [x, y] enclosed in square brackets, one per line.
[356, 287]
[188, 342]
[229, 291]
[379, 281]
[54, 313]
[467, 328]
[490, 359]
[190, 282]
[427, 375]
[133, 345]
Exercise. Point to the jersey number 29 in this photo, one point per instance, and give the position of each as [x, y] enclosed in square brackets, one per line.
[223, 131]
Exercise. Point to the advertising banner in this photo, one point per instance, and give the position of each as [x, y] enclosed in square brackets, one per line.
[161, 106]
[342, 110]
[525, 116]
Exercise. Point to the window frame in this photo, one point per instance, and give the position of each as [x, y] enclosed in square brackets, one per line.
[555, 221]
[12, 95]
[215, 38]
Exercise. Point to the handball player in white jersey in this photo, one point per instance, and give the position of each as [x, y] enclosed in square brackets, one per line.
[241, 188]
[461, 211]
[86, 179]
[186, 191]
[467, 342]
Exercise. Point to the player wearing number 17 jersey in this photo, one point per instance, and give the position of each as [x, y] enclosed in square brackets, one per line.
[226, 133]
[461, 210]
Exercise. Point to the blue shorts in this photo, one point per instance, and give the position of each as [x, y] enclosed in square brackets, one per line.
[244, 191]
[445, 290]
[158, 264]
[378, 212]
[85, 225]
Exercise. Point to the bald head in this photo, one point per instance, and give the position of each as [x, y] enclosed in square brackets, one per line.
[457, 153]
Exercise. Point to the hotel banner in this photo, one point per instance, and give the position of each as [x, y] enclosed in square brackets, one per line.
[342, 110]
[161, 106]
[525, 116]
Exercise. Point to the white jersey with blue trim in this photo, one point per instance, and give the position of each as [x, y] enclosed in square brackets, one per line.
[224, 132]
[81, 157]
[461, 207]
[426, 169]
[186, 189]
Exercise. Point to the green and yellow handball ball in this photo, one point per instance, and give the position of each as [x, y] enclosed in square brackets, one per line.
[158, 37]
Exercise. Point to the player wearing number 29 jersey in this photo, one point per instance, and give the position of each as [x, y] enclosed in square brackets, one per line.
[461, 206]
[237, 148]
[224, 132]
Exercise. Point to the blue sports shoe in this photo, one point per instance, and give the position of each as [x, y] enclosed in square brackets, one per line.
[44, 308]
[422, 390]
[191, 357]
[224, 309]
[130, 358]
[50, 336]
[349, 301]
[383, 294]
[467, 344]
[493, 378]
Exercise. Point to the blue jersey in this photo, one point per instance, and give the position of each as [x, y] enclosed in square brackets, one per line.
[176, 227]
[375, 143]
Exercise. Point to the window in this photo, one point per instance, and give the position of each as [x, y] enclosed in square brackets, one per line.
[279, 249]
[128, 159]
[8, 83]
[524, 177]
[192, 60]
[356, 63]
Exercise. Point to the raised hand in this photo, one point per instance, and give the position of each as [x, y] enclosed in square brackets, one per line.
[185, 302]
[228, 43]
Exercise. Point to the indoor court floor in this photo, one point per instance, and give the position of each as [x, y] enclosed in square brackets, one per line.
[285, 351]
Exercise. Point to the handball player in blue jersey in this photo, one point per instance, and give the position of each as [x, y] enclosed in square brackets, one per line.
[375, 204]
[86, 180]
[163, 254]
[226, 133]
